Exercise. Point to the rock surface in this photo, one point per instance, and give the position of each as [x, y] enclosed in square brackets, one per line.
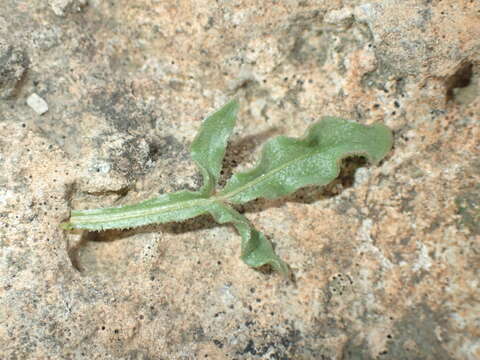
[13, 64]
[386, 258]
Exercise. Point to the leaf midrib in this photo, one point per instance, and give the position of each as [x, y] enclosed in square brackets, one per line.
[264, 177]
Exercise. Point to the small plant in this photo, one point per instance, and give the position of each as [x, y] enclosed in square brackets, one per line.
[286, 165]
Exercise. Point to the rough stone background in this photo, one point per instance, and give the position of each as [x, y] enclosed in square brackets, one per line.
[386, 258]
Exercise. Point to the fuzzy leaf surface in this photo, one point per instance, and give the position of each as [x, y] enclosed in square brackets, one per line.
[208, 148]
[256, 250]
[178, 206]
[288, 164]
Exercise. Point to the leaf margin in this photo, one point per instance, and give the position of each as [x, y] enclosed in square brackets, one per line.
[239, 181]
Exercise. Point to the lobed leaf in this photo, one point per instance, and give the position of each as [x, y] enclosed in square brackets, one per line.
[208, 148]
[288, 164]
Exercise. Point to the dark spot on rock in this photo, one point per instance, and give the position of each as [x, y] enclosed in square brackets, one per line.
[460, 79]
[468, 207]
[123, 110]
[218, 343]
[419, 327]
[13, 65]
[198, 333]
[249, 349]
[176, 85]
[166, 147]
[305, 41]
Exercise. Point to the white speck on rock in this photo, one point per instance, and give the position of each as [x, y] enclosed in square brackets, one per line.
[101, 167]
[342, 16]
[37, 104]
[362, 175]
[368, 246]
[424, 261]
[226, 295]
[5, 196]
[367, 12]
[61, 7]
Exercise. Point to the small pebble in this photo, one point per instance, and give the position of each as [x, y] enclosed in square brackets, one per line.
[37, 104]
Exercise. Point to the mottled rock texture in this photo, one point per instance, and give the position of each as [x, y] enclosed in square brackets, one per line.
[13, 64]
[386, 258]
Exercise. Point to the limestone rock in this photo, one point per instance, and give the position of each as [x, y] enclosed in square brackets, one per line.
[385, 258]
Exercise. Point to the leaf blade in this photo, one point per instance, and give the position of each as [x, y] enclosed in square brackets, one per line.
[178, 206]
[256, 250]
[208, 147]
[288, 164]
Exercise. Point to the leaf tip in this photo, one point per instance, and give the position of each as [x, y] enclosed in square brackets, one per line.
[283, 269]
[66, 225]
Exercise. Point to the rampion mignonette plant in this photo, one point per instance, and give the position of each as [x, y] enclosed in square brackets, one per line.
[286, 164]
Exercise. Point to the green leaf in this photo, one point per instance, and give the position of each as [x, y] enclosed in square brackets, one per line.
[257, 251]
[166, 208]
[208, 148]
[288, 164]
